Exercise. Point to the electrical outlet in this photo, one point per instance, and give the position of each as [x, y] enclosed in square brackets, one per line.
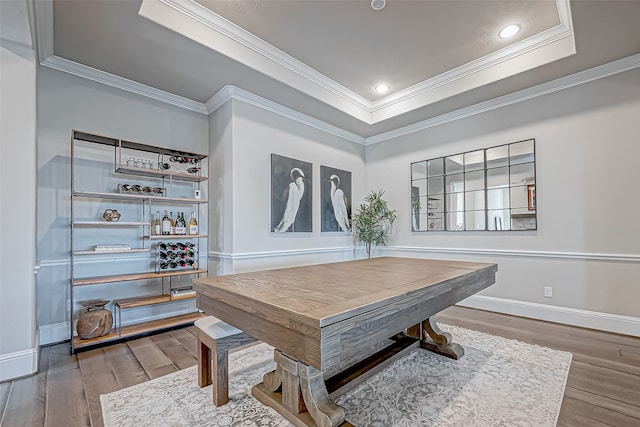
[548, 291]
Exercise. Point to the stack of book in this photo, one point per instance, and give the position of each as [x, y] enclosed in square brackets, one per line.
[183, 291]
[118, 247]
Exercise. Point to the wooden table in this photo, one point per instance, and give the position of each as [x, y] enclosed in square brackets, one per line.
[321, 316]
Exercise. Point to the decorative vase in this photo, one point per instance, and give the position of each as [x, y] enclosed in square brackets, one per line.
[96, 321]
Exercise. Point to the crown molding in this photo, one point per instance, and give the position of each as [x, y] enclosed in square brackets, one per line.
[615, 67]
[232, 92]
[539, 41]
[233, 41]
[194, 21]
[256, 44]
[113, 80]
[42, 11]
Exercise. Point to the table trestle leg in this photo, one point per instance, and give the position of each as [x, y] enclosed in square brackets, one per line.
[438, 341]
[316, 398]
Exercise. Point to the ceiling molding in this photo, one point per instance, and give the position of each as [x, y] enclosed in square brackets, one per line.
[43, 18]
[44, 31]
[615, 67]
[581, 77]
[194, 21]
[233, 41]
[112, 80]
[232, 92]
[538, 41]
[247, 39]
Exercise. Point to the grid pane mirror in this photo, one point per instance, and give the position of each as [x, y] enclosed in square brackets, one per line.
[493, 189]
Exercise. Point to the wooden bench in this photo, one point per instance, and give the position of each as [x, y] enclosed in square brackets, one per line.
[216, 338]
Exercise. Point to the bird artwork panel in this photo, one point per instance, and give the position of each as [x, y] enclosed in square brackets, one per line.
[291, 195]
[335, 200]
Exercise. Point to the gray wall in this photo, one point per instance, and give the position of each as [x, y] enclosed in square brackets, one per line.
[586, 246]
[247, 242]
[66, 102]
[587, 152]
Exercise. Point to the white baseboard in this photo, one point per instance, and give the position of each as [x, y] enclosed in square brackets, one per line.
[18, 364]
[569, 316]
[54, 333]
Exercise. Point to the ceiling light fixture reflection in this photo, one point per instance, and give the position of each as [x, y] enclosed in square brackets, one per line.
[382, 88]
[509, 31]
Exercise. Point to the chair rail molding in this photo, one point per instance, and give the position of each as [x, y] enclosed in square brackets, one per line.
[585, 256]
[283, 253]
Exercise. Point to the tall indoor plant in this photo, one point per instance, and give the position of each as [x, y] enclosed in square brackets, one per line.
[373, 221]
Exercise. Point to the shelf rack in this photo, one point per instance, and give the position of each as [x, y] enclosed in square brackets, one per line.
[146, 201]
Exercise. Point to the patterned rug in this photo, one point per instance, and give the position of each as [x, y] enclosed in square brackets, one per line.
[498, 382]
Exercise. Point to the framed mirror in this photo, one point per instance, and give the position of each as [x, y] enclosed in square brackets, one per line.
[492, 189]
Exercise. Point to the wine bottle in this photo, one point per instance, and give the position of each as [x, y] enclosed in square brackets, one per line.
[173, 264]
[181, 225]
[162, 245]
[189, 261]
[182, 263]
[163, 255]
[172, 254]
[173, 224]
[193, 169]
[193, 224]
[157, 225]
[166, 223]
[163, 265]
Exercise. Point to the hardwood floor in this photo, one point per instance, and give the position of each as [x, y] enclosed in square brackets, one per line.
[603, 388]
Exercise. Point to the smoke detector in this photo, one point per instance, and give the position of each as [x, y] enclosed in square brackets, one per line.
[378, 4]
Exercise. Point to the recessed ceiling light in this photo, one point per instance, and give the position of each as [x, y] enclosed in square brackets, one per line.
[378, 4]
[509, 31]
[382, 88]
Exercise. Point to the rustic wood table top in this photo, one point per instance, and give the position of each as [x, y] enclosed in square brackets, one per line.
[322, 294]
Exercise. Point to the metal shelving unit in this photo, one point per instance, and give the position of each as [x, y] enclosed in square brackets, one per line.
[141, 243]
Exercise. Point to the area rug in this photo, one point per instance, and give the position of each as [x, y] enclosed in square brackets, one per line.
[498, 382]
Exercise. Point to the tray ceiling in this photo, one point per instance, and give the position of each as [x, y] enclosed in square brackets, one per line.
[323, 58]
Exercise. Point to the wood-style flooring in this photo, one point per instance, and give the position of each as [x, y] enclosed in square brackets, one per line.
[603, 388]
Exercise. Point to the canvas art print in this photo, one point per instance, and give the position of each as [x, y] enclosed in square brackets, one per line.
[335, 200]
[290, 195]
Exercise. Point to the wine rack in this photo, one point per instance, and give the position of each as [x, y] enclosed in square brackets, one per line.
[173, 256]
[135, 180]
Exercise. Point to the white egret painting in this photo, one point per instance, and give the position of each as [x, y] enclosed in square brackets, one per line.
[290, 195]
[335, 200]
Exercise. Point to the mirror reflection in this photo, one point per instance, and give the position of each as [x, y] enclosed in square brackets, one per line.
[491, 189]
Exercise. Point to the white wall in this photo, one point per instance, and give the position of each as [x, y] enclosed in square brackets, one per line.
[66, 102]
[587, 246]
[256, 134]
[18, 335]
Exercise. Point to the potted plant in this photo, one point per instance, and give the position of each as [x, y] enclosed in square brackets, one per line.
[372, 222]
